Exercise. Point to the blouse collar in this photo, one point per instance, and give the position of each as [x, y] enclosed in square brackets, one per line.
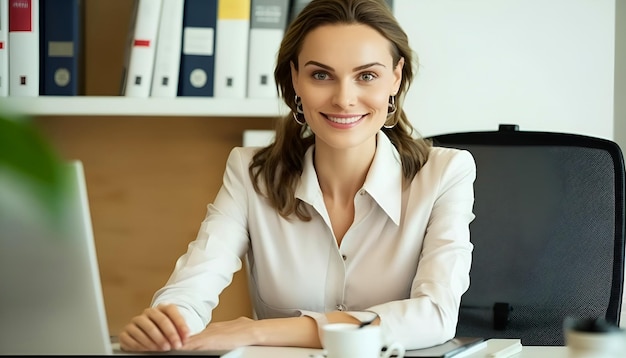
[383, 181]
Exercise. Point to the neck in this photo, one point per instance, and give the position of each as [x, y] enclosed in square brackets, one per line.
[341, 173]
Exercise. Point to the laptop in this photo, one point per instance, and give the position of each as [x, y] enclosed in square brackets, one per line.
[51, 299]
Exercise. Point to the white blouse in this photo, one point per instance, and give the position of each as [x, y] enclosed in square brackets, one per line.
[406, 256]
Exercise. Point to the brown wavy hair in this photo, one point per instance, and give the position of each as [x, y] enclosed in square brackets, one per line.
[276, 169]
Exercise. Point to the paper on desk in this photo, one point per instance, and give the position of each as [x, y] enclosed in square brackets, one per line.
[502, 348]
[455, 347]
[272, 352]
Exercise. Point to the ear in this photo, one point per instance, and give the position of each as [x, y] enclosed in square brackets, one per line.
[294, 76]
[397, 72]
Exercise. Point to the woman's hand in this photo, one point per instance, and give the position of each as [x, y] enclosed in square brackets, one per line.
[160, 328]
[225, 335]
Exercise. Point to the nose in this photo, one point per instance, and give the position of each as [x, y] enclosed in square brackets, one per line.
[345, 95]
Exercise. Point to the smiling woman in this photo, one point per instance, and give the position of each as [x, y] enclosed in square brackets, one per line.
[348, 197]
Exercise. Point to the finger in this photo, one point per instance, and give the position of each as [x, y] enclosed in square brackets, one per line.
[127, 342]
[180, 331]
[168, 330]
[134, 339]
[150, 326]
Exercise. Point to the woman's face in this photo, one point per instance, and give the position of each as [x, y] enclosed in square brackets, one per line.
[345, 77]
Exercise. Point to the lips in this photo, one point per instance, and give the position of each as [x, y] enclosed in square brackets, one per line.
[344, 119]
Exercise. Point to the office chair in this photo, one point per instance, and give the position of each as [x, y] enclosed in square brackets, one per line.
[548, 234]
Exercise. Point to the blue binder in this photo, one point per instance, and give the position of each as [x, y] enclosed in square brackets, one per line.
[61, 36]
[197, 62]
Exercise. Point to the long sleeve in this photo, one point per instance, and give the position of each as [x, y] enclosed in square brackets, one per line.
[207, 267]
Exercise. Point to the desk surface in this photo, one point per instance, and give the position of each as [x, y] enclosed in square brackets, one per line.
[288, 352]
[291, 352]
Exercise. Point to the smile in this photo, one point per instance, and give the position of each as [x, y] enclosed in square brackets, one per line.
[344, 120]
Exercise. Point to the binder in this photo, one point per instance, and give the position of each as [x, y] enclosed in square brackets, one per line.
[4, 48]
[197, 62]
[268, 20]
[61, 47]
[231, 51]
[141, 49]
[296, 7]
[24, 48]
[168, 49]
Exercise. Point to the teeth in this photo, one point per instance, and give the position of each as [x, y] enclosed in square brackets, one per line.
[344, 120]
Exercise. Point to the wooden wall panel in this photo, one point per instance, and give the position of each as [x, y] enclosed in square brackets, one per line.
[149, 181]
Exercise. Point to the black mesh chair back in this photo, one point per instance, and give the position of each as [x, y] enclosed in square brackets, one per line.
[548, 234]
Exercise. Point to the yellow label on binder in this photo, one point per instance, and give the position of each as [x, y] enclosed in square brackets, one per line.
[233, 9]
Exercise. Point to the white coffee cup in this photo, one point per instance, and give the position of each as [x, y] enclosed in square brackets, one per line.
[593, 338]
[348, 340]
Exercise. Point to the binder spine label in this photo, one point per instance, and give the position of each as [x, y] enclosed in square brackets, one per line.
[235, 10]
[20, 13]
[141, 43]
[268, 17]
[198, 41]
[61, 49]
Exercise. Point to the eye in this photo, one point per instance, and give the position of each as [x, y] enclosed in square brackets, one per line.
[367, 76]
[320, 75]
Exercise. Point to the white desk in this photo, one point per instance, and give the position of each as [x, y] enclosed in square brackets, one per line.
[289, 352]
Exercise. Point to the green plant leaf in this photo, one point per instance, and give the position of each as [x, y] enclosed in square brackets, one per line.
[24, 151]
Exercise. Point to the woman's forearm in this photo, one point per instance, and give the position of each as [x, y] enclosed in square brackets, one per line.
[296, 331]
[288, 332]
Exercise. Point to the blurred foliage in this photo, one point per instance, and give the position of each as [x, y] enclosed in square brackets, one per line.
[26, 153]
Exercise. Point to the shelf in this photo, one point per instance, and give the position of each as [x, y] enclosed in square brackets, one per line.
[129, 106]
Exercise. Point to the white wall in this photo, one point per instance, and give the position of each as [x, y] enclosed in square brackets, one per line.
[545, 65]
[620, 74]
[620, 93]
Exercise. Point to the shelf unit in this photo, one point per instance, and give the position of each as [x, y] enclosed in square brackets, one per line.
[130, 106]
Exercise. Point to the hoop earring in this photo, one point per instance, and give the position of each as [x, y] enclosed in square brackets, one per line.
[391, 106]
[391, 110]
[295, 118]
[298, 101]
[298, 111]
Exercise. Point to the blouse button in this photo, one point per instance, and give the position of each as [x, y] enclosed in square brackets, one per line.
[362, 192]
[341, 307]
[344, 257]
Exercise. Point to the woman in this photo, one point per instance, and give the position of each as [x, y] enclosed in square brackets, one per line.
[347, 216]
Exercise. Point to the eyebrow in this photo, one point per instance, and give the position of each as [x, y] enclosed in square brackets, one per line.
[358, 68]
